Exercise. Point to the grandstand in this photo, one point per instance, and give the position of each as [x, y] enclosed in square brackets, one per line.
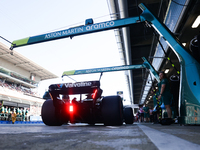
[19, 77]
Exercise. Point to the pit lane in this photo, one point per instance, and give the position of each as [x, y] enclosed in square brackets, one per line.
[82, 136]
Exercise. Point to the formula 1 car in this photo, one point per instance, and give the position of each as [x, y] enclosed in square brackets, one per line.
[92, 109]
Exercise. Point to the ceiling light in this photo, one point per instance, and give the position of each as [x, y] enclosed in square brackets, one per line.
[166, 70]
[196, 22]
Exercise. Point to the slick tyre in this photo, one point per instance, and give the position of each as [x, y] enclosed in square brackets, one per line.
[48, 114]
[128, 115]
[112, 110]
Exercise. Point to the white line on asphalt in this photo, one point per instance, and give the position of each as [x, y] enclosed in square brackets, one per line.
[165, 141]
[112, 127]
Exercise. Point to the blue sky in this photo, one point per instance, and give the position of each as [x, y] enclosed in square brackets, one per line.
[23, 18]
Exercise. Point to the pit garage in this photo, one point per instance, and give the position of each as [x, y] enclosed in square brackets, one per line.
[139, 40]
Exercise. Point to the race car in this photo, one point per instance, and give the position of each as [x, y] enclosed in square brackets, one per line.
[82, 102]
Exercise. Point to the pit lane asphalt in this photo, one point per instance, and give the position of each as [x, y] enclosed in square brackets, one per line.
[139, 136]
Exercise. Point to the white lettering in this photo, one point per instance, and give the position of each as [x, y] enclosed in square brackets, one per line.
[96, 26]
[88, 28]
[78, 84]
[112, 23]
[64, 32]
[100, 25]
[72, 31]
[107, 24]
[46, 36]
[80, 29]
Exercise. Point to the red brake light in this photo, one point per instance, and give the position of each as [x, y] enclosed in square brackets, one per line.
[71, 108]
[95, 93]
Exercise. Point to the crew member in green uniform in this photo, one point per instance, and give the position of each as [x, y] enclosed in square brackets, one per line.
[165, 95]
[20, 112]
[9, 114]
[6, 109]
[146, 113]
[155, 95]
[17, 110]
[26, 112]
[23, 114]
[2, 109]
[9, 110]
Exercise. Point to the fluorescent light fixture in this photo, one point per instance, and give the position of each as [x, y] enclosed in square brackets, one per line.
[196, 22]
[166, 70]
[183, 44]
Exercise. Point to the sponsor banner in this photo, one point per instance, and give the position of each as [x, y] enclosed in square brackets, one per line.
[105, 69]
[75, 31]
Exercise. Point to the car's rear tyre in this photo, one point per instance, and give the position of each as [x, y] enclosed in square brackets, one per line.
[112, 110]
[128, 115]
[48, 114]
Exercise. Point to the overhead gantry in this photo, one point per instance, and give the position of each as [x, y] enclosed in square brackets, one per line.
[189, 95]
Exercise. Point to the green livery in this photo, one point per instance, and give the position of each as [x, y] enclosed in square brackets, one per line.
[105, 69]
[20, 42]
[69, 72]
[146, 64]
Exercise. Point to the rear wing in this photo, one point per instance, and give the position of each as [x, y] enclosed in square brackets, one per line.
[74, 88]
